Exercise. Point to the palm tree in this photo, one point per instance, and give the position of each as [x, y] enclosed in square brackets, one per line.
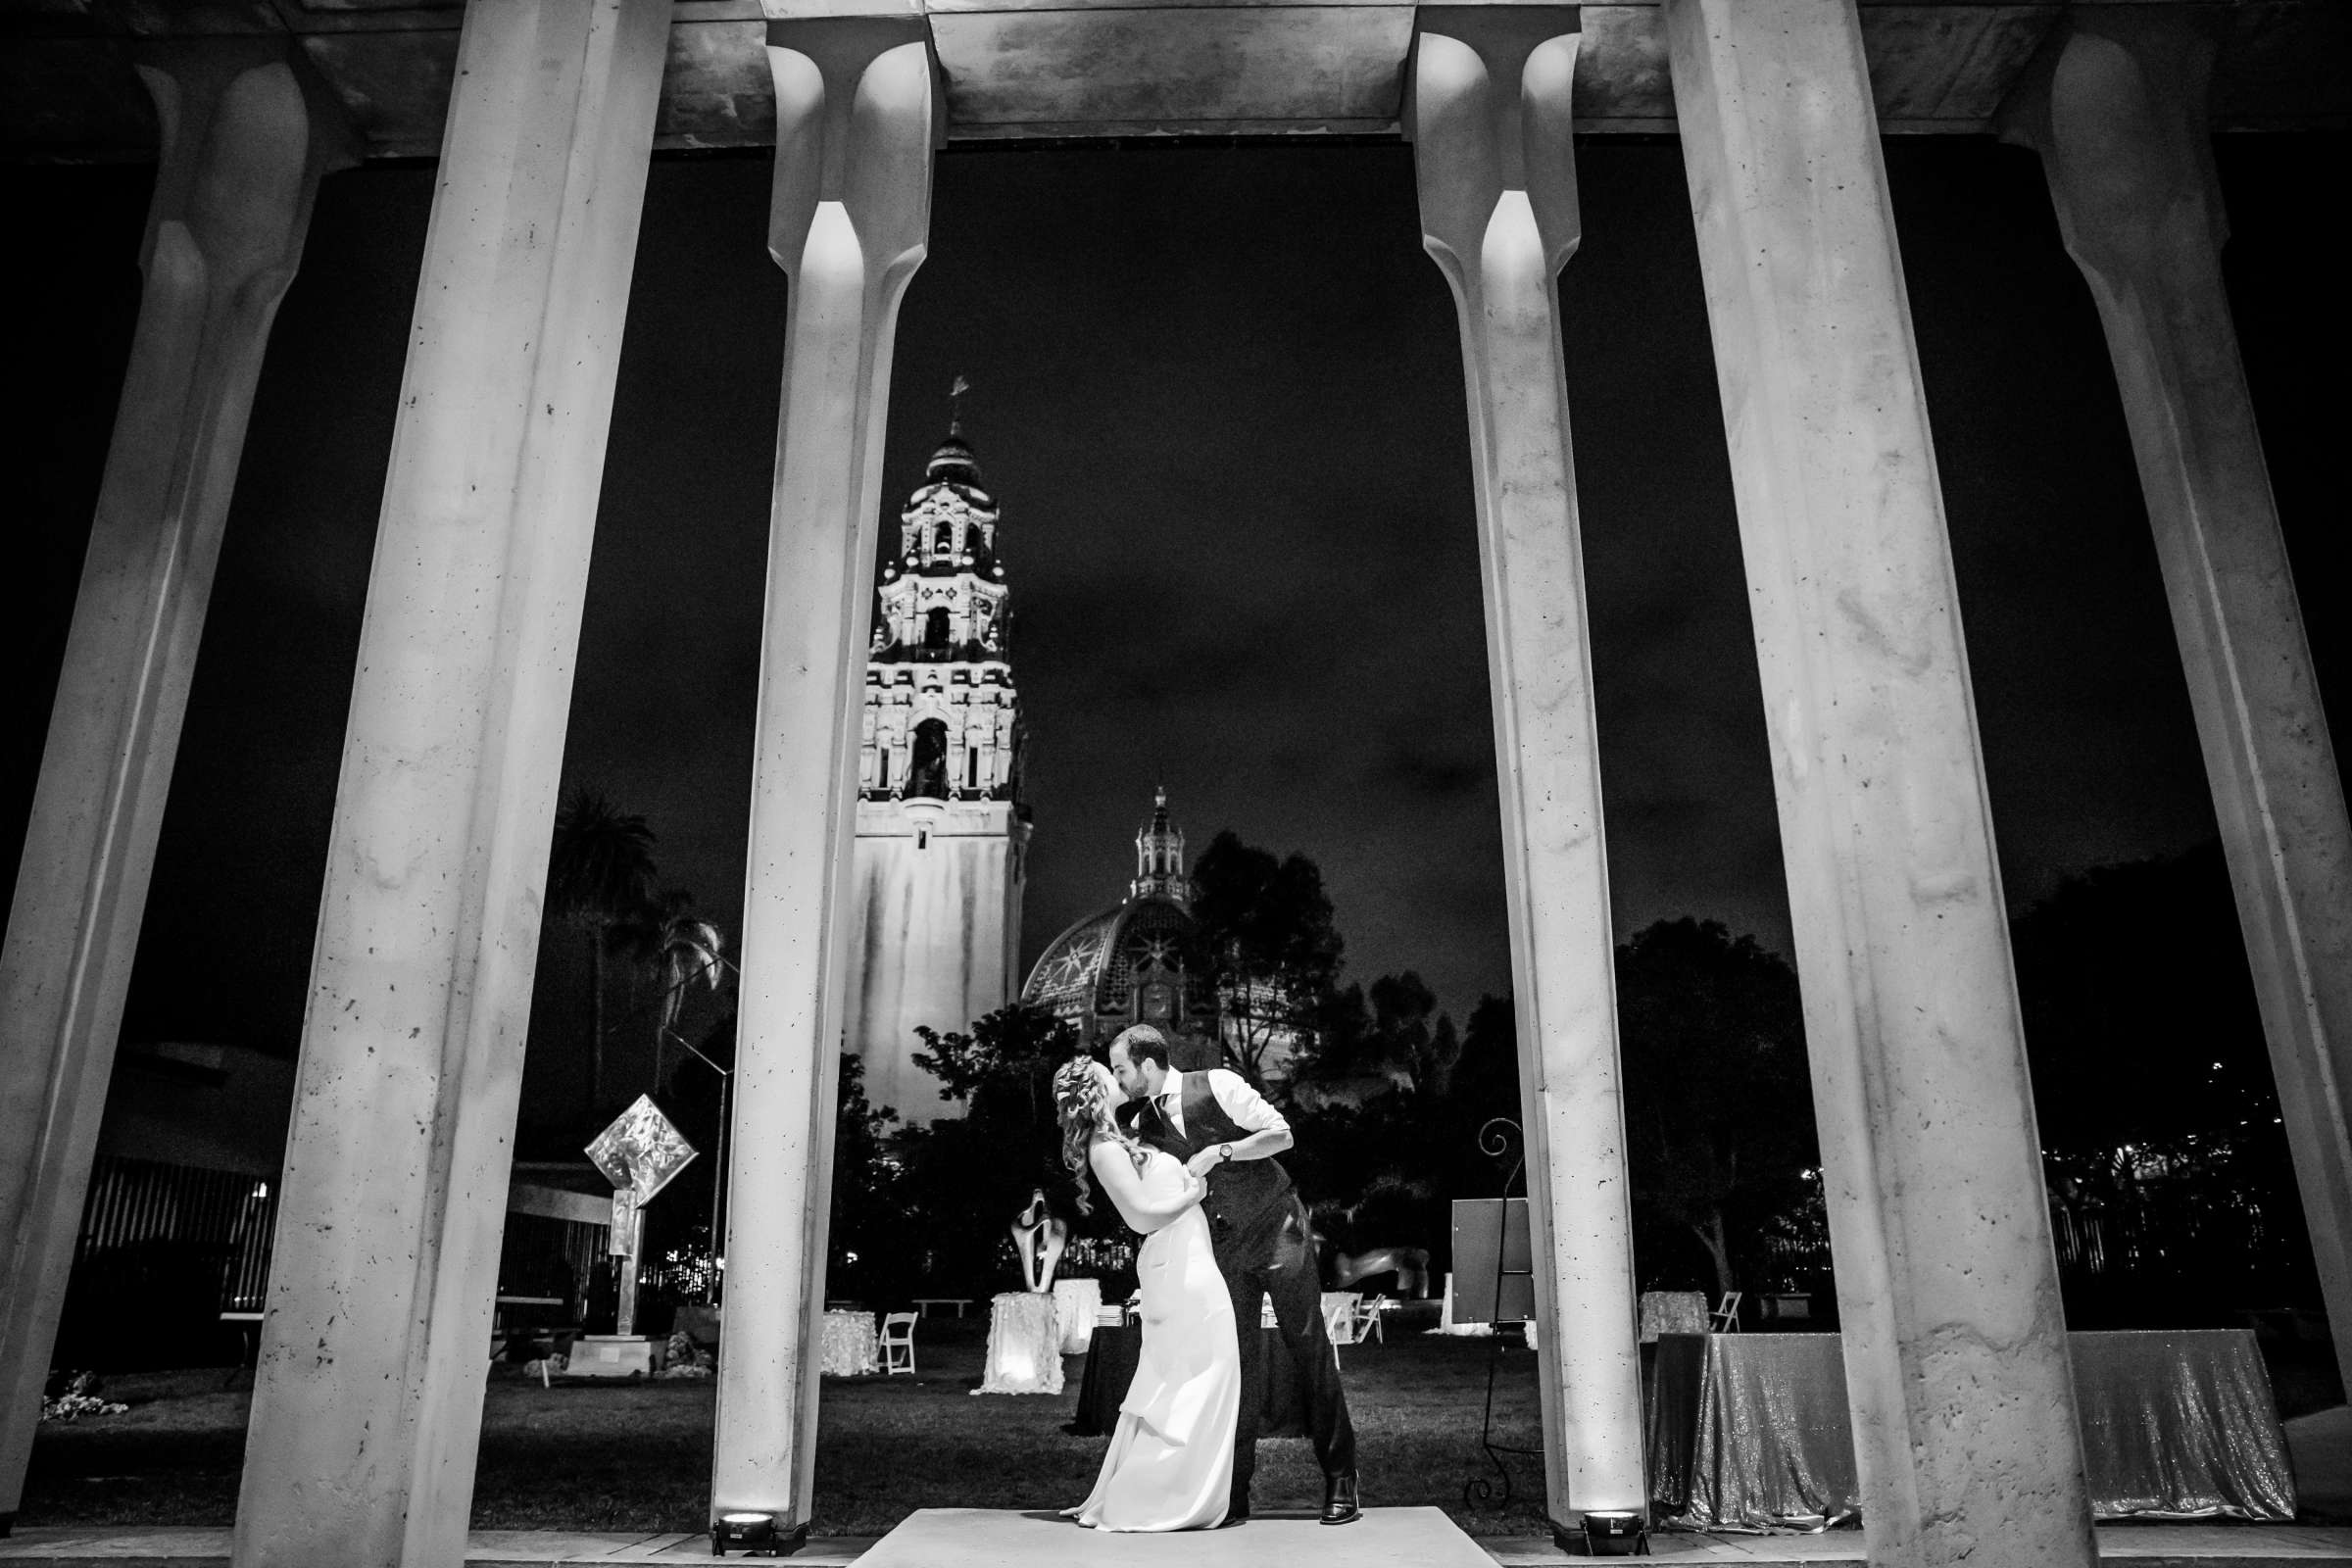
[600, 872]
[679, 948]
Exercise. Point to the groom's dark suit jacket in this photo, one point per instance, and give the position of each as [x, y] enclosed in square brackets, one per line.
[1259, 1234]
[1241, 1192]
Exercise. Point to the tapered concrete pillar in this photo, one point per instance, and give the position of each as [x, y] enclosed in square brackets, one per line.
[247, 133]
[367, 1405]
[2116, 106]
[1489, 112]
[1947, 1289]
[858, 115]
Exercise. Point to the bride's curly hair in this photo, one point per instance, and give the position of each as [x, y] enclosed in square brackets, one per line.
[1085, 1117]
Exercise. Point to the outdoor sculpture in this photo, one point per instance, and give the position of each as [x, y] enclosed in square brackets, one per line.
[1024, 1326]
[1410, 1263]
[1038, 1236]
[638, 1154]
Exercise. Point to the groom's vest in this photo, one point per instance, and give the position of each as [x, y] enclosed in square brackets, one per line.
[1240, 1190]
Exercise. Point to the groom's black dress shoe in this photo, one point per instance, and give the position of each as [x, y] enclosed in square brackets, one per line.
[1235, 1514]
[1340, 1506]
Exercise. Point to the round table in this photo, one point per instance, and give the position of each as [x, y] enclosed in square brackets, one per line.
[1672, 1312]
[1077, 1304]
[1024, 1344]
[1110, 1368]
[847, 1345]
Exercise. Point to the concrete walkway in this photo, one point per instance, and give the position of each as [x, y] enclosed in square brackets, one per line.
[1412, 1537]
[943, 1538]
[2322, 1446]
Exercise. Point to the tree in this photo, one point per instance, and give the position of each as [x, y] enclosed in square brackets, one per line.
[1484, 1081]
[2153, 1092]
[1391, 1039]
[680, 949]
[867, 1246]
[1004, 1068]
[1719, 1112]
[1267, 927]
[964, 1177]
[2140, 1021]
[600, 872]
[1388, 1112]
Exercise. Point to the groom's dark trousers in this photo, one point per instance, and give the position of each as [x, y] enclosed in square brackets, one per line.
[1257, 1229]
[1273, 1256]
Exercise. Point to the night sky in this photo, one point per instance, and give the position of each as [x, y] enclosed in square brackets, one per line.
[1218, 395]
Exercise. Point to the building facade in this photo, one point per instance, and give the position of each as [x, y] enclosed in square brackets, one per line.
[1142, 960]
[1137, 962]
[941, 836]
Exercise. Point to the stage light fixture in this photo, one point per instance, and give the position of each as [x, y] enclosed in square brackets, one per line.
[1615, 1533]
[752, 1533]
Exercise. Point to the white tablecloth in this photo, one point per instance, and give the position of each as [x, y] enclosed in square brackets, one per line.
[1024, 1346]
[847, 1348]
[1075, 1305]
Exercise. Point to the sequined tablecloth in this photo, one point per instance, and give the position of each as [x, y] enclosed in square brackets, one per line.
[2181, 1424]
[1024, 1344]
[1750, 1431]
[1672, 1312]
[847, 1344]
[1076, 1302]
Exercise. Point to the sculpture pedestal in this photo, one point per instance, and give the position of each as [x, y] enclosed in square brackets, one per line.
[1024, 1346]
[612, 1356]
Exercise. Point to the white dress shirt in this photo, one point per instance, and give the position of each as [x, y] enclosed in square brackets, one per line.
[1244, 1105]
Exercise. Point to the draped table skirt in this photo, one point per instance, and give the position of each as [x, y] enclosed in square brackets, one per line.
[1076, 1305]
[847, 1345]
[1750, 1431]
[1110, 1368]
[1024, 1344]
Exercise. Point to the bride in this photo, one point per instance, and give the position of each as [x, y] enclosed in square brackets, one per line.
[1170, 1464]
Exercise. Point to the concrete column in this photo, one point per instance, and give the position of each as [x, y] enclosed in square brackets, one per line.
[367, 1405]
[858, 115]
[2116, 106]
[1955, 1344]
[1489, 112]
[247, 133]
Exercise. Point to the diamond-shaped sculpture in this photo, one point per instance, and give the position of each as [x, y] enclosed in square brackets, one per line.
[640, 1150]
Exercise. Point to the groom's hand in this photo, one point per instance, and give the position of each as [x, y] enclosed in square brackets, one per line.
[1203, 1162]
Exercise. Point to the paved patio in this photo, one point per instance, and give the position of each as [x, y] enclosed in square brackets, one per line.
[2321, 1443]
[1290, 1542]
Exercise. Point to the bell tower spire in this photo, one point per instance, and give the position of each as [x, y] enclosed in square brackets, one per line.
[1160, 858]
[943, 719]
[943, 834]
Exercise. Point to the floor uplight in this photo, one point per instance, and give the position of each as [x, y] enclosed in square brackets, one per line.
[752, 1533]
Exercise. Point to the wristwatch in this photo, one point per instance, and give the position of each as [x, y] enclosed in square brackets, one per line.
[1224, 1152]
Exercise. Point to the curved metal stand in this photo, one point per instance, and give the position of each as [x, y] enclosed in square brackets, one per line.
[1495, 1140]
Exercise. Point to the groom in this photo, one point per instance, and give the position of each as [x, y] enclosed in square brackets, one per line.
[1227, 1133]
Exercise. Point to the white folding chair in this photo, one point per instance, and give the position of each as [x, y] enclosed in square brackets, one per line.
[1724, 1319]
[897, 1343]
[1366, 1323]
[1338, 1315]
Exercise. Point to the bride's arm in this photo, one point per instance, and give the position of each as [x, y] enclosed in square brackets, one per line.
[1142, 1213]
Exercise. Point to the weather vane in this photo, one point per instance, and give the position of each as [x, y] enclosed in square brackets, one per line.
[955, 404]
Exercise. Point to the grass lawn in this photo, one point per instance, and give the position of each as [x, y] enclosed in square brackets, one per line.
[609, 1456]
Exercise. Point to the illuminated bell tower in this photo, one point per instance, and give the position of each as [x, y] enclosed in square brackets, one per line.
[1159, 858]
[941, 835]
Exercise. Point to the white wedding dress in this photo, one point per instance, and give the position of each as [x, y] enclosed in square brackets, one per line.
[1170, 1464]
